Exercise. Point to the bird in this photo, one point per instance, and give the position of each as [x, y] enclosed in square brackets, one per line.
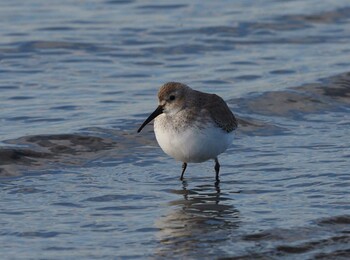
[192, 126]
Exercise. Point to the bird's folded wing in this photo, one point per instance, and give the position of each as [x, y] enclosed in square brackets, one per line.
[221, 113]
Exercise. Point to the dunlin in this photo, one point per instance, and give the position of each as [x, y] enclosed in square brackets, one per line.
[192, 126]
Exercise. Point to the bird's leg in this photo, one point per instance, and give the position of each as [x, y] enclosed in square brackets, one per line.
[184, 166]
[217, 169]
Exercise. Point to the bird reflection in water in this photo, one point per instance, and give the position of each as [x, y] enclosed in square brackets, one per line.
[199, 221]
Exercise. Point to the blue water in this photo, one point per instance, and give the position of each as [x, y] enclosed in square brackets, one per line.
[77, 78]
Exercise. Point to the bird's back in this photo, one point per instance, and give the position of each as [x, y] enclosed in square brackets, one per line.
[217, 109]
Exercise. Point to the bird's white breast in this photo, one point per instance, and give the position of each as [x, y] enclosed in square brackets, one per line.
[195, 142]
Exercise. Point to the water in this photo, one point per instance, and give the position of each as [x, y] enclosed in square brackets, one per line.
[77, 78]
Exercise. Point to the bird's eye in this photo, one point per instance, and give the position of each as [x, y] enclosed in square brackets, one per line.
[172, 97]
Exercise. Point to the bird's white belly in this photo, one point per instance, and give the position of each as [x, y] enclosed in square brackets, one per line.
[192, 144]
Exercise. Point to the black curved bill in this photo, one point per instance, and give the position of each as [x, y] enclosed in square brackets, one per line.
[156, 113]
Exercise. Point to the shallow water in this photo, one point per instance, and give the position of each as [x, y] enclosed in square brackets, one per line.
[78, 78]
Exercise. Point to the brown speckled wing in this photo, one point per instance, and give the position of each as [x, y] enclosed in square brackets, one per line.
[220, 112]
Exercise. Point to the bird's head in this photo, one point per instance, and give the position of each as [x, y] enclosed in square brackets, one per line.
[171, 99]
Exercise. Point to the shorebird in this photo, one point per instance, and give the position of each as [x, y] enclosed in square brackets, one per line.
[192, 126]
